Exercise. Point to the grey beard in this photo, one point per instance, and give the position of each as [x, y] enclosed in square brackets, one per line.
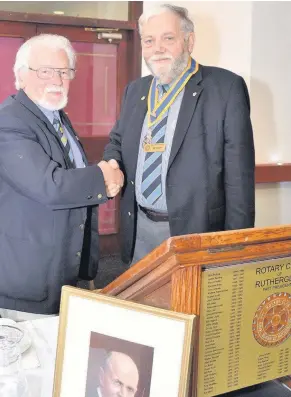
[176, 70]
[47, 105]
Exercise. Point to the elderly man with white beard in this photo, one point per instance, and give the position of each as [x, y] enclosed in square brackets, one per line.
[184, 141]
[49, 195]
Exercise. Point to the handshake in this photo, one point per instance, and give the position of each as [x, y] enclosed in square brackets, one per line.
[113, 177]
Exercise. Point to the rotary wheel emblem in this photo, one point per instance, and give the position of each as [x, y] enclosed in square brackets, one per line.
[272, 320]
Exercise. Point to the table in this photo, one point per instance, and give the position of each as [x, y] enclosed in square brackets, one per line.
[44, 338]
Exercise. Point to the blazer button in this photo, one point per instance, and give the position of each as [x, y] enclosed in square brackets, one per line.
[78, 254]
[82, 227]
[132, 182]
[99, 196]
[89, 197]
[129, 214]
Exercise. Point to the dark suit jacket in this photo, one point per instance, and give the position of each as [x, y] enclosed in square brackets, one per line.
[48, 224]
[210, 178]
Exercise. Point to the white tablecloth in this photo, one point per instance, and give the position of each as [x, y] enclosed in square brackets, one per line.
[44, 339]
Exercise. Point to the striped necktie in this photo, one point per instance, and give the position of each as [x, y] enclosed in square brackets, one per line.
[60, 131]
[151, 186]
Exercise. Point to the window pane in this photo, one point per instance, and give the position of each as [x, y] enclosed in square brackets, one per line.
[117, 10]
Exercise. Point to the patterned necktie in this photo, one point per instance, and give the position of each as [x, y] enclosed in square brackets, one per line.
[151, 186]
[60, 131]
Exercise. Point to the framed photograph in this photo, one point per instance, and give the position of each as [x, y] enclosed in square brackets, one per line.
[108, 347]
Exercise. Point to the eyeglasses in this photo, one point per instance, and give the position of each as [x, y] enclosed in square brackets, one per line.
[45, 73]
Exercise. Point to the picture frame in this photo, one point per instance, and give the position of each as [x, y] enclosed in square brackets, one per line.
[107, 344]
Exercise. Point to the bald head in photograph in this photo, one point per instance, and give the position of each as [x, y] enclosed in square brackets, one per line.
[119, 376]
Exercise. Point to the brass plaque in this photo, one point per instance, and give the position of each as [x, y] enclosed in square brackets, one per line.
[245, 326]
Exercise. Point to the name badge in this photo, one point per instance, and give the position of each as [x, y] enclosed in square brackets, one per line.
[154, 147]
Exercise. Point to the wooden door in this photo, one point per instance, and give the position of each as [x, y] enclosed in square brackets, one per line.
[12, 35]
[92, 104]
[92, 110]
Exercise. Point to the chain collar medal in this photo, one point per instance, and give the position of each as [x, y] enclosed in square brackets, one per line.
[156, 108]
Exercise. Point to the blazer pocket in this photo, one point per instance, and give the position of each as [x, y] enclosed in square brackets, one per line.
[24, 269]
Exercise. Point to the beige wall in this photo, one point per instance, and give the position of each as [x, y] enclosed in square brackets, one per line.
[214, 22]
[253, 39]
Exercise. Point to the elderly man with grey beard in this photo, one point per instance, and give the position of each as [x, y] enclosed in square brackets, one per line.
[184, 141]
[49, 195]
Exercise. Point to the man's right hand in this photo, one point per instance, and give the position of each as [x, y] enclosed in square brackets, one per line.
[113, 177]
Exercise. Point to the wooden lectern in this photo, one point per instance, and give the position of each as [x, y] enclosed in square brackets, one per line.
[188, 273]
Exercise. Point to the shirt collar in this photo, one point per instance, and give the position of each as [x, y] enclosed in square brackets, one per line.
[50, 114]
[163, 87]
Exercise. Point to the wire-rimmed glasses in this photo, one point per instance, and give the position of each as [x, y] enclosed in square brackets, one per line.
[47, 73]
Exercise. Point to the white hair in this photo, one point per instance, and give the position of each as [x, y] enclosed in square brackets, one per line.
[186, 24]
[52, 41]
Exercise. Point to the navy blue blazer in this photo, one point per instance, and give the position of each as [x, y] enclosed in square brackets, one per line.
[48, 220]
[210, 182]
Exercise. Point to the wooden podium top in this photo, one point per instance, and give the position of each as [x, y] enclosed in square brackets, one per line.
[170, 276]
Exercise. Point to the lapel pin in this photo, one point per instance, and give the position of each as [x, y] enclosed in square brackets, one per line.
[194, 93]
[142, 98]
